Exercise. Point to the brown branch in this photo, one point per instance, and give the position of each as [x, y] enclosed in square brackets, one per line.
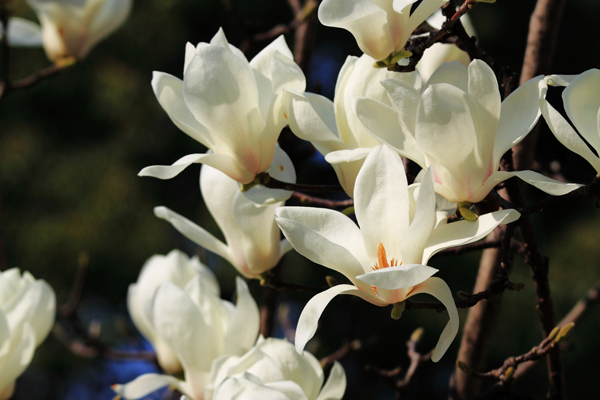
[577, 312]
[592, 189]
[269, 280]
[347, 347]
[268, 181]
[317, 201]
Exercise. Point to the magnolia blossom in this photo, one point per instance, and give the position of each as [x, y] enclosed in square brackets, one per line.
[381, 27]
[274, 370]
[458, 126]
[582, 104]
[177, 268]
[385, 259]
[70, 28]
[332, 126]
[252, 238]
[230, 105]
[198, 327]
[27, 310]
[441, 53]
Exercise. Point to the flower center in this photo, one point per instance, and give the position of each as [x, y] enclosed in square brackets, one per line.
[382, 262]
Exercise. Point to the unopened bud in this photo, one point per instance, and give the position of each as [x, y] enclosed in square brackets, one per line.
[554, 332]
[463, 367]
[416, 335]
[399, 56]
[510, 371]
[398, 310]
[331, 281]
[465, 211]
[564, 332]
[348, 211]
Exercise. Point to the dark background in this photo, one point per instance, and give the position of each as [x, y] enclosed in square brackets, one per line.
[71, 147]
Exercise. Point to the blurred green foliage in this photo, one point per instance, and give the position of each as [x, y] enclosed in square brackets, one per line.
[71, 146]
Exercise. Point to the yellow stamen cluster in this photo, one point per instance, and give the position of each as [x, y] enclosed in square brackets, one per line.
[382, 261]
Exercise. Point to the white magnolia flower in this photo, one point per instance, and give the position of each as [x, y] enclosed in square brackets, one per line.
[27, 310]
[332, 126]
[178, 269]
[381, 27]
[253, 243]
[230, 105]
[385, 259]
[199, 327]
[274, 370]
[441, 53]
[460, 127]
[581, 99]
[70, 28]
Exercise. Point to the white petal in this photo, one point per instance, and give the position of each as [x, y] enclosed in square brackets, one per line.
[19, 358]
[381, 202]
[421, 226]
[222, 162]
[244, 323]
[567, 135]
[520, 112]
[437, 55]
[169, 93]
[546, 184]
[335, 387]
[422, 12]
[281, 169]
[144, 385]
[384, 125]
[453, 73]
[559, 80]
[325, 237]
[462, 232]
[400, 277]
[440, 290]
[286, 75]
[23, 33]
[582, 102]
[194, 232]
[346, 156]
[109, 18]
[309, 318]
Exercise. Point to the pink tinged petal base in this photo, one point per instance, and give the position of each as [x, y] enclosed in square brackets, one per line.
[307, 324]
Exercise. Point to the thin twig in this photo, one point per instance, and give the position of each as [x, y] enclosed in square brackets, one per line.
[348, 347]
[270, 281]
[273, 183]
[317, 201]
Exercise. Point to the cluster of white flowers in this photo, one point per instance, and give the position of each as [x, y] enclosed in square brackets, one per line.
[447, 117]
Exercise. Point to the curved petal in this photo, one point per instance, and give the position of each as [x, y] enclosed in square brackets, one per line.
[567, 135]
[421, 226]
[109, 18]
[23, 33]
[146, 384]
[582, 102]
[194, 232]
[384, 125]
[559, 80]
[224, 163]
[309, 318]
[438, 54]
[546, 184]
[491, 182]
[367, 22]
[244, 323]
[335, 387]
[520, 112]
[422, 12]
[169, 93]
[463, 232]
[325, 237]
[453, 73]
[381, 202]
[346, 156]
[281, 169]
[400, 277]
[440, 290]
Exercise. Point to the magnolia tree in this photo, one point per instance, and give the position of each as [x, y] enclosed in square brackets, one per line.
[430, 138]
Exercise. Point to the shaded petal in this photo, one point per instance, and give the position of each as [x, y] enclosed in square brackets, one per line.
[520, 112]
[309, 318]
[224, 163]
[453, 73]
[381, 202]
[169, 93]
[19, 358]
[400, 277]
[345, 156]
[325, 237]
[109, 18]
[244, 323]
[463, 232]
[440, 290]
[382, 122]
[559, 80]
[146, 384]
[567, 135]
[422, 12]
[281, 169]
[23, 33]
[421, 226]
[582, 102]
[546, 184]
[335, 387]
[194, 232]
